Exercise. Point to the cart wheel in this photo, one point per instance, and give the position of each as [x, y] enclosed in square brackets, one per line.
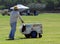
[40, 35]
[27, 35]
[33, 34]
[3, 14]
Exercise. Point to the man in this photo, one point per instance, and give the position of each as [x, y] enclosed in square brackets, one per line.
[13, 20]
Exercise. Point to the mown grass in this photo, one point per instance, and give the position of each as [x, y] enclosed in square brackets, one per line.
[51, 29]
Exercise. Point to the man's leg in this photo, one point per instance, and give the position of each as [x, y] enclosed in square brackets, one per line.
[13, 29]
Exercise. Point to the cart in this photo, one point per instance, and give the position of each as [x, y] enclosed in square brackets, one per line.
[32, 30]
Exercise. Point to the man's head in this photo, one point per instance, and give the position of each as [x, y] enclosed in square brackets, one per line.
[15, 8]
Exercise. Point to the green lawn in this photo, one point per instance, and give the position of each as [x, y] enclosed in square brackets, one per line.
[51, 29]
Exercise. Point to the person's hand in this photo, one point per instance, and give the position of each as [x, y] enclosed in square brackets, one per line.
[22, 21]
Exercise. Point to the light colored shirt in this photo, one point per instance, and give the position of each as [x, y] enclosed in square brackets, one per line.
[14, 16]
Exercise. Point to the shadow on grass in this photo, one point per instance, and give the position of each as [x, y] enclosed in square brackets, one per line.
[28, 38]
[22, 38]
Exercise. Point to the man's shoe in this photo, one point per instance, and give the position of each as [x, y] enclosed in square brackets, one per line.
[9, 39]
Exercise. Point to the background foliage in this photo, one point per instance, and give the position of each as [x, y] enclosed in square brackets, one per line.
[50, 4]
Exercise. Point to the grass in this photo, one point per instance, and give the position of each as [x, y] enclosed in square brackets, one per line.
[51, 29]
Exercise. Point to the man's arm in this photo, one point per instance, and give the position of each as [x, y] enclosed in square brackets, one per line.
[21, 19]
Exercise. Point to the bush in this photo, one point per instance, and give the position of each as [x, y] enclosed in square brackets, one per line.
[2, 7]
